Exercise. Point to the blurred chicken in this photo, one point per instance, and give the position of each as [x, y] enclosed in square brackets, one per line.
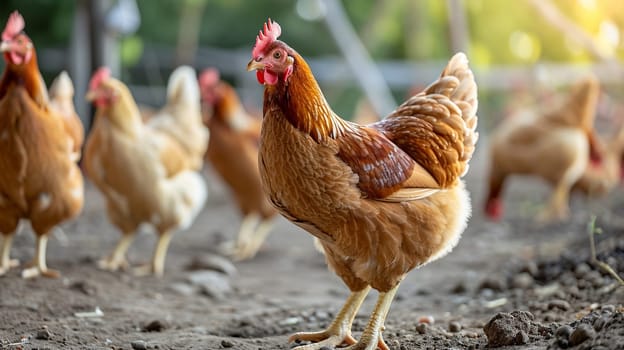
[142, 172]
[555, 145]
[181, 117]
[364, 112]
[233, 152]
[383, 199]
[39, 179]
[62, 102]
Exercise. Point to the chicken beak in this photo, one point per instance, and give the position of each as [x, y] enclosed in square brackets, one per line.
[91, 96]
[5, 46]
[254, 65]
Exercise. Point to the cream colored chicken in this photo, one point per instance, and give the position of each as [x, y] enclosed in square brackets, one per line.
[555, 145]
[181, 117]
[142, 172]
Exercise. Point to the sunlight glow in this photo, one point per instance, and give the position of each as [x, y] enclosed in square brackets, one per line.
[524, 46]
[609, 33]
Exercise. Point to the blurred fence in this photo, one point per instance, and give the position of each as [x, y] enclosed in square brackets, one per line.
[156, 64]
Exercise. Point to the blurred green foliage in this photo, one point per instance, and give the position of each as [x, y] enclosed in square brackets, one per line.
[400, 29]
[500, 32]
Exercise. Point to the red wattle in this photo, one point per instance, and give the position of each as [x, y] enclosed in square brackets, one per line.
[260, 76]
[270, 78]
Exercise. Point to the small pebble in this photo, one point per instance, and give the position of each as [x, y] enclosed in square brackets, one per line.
[454, 327]
[522, 280]
[530, 267]
[43, 334]
[581, 270]
[609, 308]
[559, 304]
[495, 284]
[522, 338]
[138, 345]
[227, 344]
[470, 334]
[422, 328]
[460, 288]
[581, 334]
[600, 322]
[564, 332]
[156, 326]
[426, 319]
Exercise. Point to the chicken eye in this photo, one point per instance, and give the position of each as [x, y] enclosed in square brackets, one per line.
[277, 55]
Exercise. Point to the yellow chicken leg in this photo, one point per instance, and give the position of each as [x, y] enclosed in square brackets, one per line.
[157, 266]
[6, 263]
[558, 208]
[249, 247]
[371, 338]
[240, 248]
[39, 267]
[117, 259]
[339, 332]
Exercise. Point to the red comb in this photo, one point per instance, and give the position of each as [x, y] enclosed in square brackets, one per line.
[271, 31]
[100, 75]
[14, 26]
[209, 77]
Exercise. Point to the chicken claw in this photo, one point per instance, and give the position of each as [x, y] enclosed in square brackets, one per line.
[157, 266]
[339, 332]
[371, 338]
[38, 265]
[5, 267]
[253, 232]
[6, 263]
[36, 271]
[117, 259]
[111, 264]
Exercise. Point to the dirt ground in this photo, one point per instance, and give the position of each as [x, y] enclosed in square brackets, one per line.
[526, 286]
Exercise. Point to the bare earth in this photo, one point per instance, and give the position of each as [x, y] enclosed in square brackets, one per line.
[515, 265]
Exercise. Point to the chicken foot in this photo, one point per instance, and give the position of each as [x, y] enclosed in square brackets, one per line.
[339, 332]
[157, 266]
[252, 234]
[250, 247]
[6, 263]
[40, 267]
[117, 259]
[371, 338]
[558, 208]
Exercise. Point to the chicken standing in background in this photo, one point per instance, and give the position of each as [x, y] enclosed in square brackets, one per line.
[181, 117]
[62, 101]
[382, 199]
[556, 146]
[142, 172]
[233, 151]
[39, 179]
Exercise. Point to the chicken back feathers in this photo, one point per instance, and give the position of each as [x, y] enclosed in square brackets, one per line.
[382, 199]
[181, 116]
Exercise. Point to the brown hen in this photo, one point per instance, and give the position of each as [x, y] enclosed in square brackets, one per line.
[382, 199]
[556, 145]
[39, 179]
[233, 152]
